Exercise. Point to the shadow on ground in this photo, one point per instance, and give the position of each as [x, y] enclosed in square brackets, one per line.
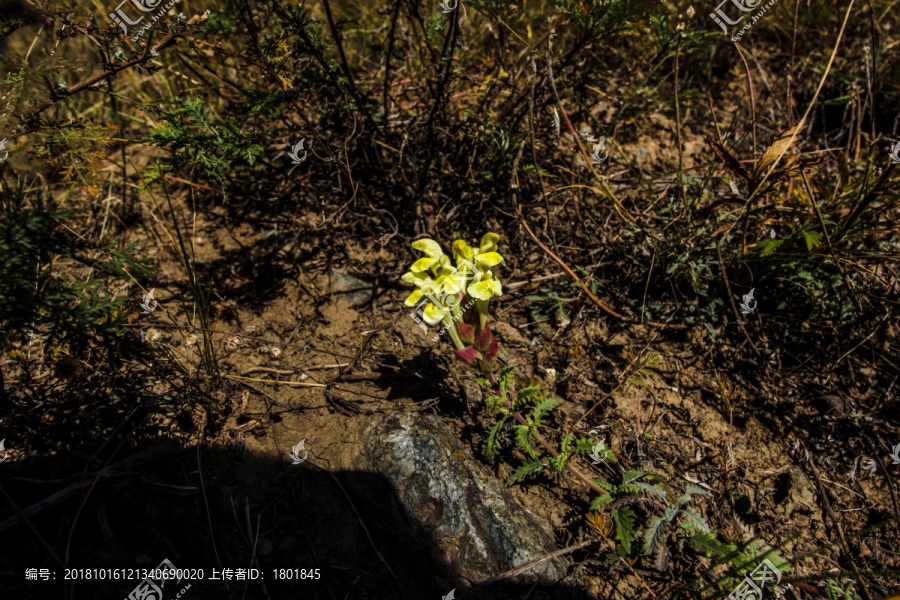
[222, 508]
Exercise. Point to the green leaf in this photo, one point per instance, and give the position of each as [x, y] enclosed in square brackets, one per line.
[601, 501]
[493, 445]
[813, 239]
[528, 394]
[624, 519]
[505, 376]
[672, 512]
[709, 543]
[629, 476]
[691, 490]
[495, 402]
[542, 409]
[655, 534]
[766, 247]
[523, 438]
[694, 521]
[557, 463]
[652, 489]
[524, 471]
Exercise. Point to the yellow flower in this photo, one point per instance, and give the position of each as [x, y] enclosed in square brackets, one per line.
[440, 284]
[433, 254]
[485, 287]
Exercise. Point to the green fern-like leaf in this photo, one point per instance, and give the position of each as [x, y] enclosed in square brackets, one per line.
[523, 439]
[601, 501]
[524, 471]
[493, 443]
[694, 521]
[609, 487]
[557, 463]
[528, 395]
[709, 543]
[655, 534]
[624, 520]
[651, 489]
[691, 490]
[542, 409]
[505, 377]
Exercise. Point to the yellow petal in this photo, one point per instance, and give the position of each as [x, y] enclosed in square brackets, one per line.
[482, 290]
[430, 247]
[432, 314]
[496, 287]
[420, 280]
[423, 264]
[414, 298]
[489, 259]
[488, 243]
[462, 250]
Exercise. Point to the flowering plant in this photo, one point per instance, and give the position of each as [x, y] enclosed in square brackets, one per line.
[457, 295]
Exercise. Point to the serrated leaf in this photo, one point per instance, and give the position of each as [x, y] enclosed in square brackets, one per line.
[542, 409]
[505, 376]
[557, 463]
[709, 543]
[494, 402]
[692, 490]
[528, 394]
[493, 446]
[694, 521]
[601, 501]
[524, 471]
[655, 534]
[605, 485]
[652, 489]
[523, 438]
[767, 247]
[813, 239]
[481, 379]
[624, 519]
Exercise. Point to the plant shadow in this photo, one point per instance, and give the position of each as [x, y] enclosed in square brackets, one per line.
[225, 508]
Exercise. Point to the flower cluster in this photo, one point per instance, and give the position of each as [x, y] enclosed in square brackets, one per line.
[455, 292]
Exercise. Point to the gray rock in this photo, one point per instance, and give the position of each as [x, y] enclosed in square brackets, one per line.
[476, 527]
[358, 291]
